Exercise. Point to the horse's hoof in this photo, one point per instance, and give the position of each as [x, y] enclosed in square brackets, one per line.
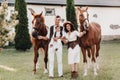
[45, 71]
[85, 74]
[95, 73]
[34, 71]
[37, 67]
[97, 67]
[88, 66]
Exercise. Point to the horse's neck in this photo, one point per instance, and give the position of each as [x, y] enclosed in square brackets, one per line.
[43, 30]
[42, 27]
[81, 28]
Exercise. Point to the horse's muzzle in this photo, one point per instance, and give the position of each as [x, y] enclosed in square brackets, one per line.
[35, 34]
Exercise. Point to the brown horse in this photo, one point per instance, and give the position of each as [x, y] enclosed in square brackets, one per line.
[40, 29]
[90, 42]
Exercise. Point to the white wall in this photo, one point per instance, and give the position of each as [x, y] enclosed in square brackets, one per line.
[49, 20]
[105, 16]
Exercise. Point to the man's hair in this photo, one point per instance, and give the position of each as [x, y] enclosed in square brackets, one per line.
[57, 16]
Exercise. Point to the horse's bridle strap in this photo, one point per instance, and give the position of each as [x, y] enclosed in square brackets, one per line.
[35, 28]
[86, 19]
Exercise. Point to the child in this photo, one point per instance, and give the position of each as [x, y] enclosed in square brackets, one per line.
[56, 44]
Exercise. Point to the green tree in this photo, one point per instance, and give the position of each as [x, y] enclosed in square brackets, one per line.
[22, 38]
[70, 12]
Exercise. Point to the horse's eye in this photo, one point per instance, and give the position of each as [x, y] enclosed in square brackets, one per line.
[81, 14]
[87, 14]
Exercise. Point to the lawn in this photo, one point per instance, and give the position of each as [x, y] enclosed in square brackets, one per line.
[18, 65]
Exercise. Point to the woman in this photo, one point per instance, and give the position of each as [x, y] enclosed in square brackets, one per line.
[73, 46]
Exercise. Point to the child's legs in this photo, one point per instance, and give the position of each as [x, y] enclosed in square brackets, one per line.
[59, 61]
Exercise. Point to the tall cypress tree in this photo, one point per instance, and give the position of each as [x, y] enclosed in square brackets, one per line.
[70, 12]
[22, 38]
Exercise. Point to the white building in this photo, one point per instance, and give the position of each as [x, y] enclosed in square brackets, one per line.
[105, 12]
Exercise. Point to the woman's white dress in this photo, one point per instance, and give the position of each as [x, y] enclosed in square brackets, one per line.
[73, 54]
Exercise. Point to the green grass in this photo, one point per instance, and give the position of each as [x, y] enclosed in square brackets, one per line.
[109, 61]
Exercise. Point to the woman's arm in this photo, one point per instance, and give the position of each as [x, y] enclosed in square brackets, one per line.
[82, 33]
[79, 34]
[64, 40]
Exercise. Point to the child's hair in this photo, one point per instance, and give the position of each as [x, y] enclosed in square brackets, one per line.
[60, 31]
[57, 16]
[57, 27]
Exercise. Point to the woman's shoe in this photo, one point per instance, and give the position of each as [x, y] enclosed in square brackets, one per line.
[74, 74]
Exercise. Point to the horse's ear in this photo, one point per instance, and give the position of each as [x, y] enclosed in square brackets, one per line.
[32, 11]
[41, 13]
[86, 8]
[79, 9]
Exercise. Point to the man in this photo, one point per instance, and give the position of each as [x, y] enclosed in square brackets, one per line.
[52, 50]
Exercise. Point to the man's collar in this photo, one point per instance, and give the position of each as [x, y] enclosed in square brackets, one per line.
[57, 25]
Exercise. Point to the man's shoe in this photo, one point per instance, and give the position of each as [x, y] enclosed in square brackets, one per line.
[61, 76]
[51, 77]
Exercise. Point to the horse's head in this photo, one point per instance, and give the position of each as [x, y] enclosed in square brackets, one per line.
[38, 19]
[83, 18]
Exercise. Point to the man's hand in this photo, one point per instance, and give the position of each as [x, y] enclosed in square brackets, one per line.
[55, 39]
[51, 45]
[43, 37]
[82, 33]
[40, 37]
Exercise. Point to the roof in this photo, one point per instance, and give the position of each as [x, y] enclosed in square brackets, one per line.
[115, 3]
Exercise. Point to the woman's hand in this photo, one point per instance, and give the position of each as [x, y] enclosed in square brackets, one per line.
[82, 33]
[64, 40]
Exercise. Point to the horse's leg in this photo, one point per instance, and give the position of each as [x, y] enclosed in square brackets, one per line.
[36, 55]
[93, 59]
[37, 64]
[46, 58]
[89, 57]
[93, 52]
[84, 61]
[97, 54]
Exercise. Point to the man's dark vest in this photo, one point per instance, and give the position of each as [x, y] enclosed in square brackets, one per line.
[52, 31]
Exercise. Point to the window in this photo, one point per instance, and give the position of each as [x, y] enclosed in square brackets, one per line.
[49, 11]
[95, 15]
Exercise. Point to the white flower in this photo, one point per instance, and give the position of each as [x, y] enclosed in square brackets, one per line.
[6, 27]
